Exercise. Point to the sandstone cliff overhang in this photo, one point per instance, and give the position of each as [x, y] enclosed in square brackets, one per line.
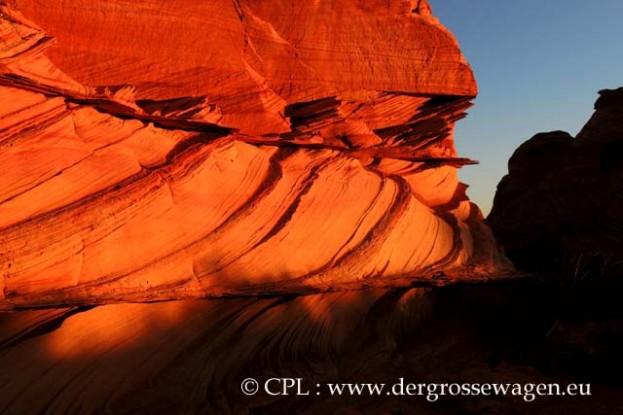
[228, 148]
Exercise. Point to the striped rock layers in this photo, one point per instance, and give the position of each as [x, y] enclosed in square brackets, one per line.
[191, 149]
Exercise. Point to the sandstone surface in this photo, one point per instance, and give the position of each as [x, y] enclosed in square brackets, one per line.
[183, 149]
[196, 149]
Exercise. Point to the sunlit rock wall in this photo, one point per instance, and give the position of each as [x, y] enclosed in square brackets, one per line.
[188, 149]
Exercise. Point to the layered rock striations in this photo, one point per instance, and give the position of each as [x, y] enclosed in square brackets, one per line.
[192, 149]
[561, 206]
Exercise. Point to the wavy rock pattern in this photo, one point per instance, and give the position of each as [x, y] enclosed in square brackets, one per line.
[200, 149]
[189, 357]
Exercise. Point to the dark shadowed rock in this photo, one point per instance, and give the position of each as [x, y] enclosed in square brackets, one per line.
[561, 200]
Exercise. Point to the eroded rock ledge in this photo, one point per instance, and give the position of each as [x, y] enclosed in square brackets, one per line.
[227, 148]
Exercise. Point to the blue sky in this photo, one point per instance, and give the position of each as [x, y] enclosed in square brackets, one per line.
[538, 64]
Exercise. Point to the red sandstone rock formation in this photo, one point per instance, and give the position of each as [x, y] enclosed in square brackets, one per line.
[191, 149]
[161, 150]
[561, 204]
[190, 357]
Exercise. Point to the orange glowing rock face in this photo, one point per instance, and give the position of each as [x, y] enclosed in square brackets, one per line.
[196, 149]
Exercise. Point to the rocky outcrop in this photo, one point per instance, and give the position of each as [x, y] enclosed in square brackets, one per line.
[175, 149]
[224, 148]
[561, 206]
